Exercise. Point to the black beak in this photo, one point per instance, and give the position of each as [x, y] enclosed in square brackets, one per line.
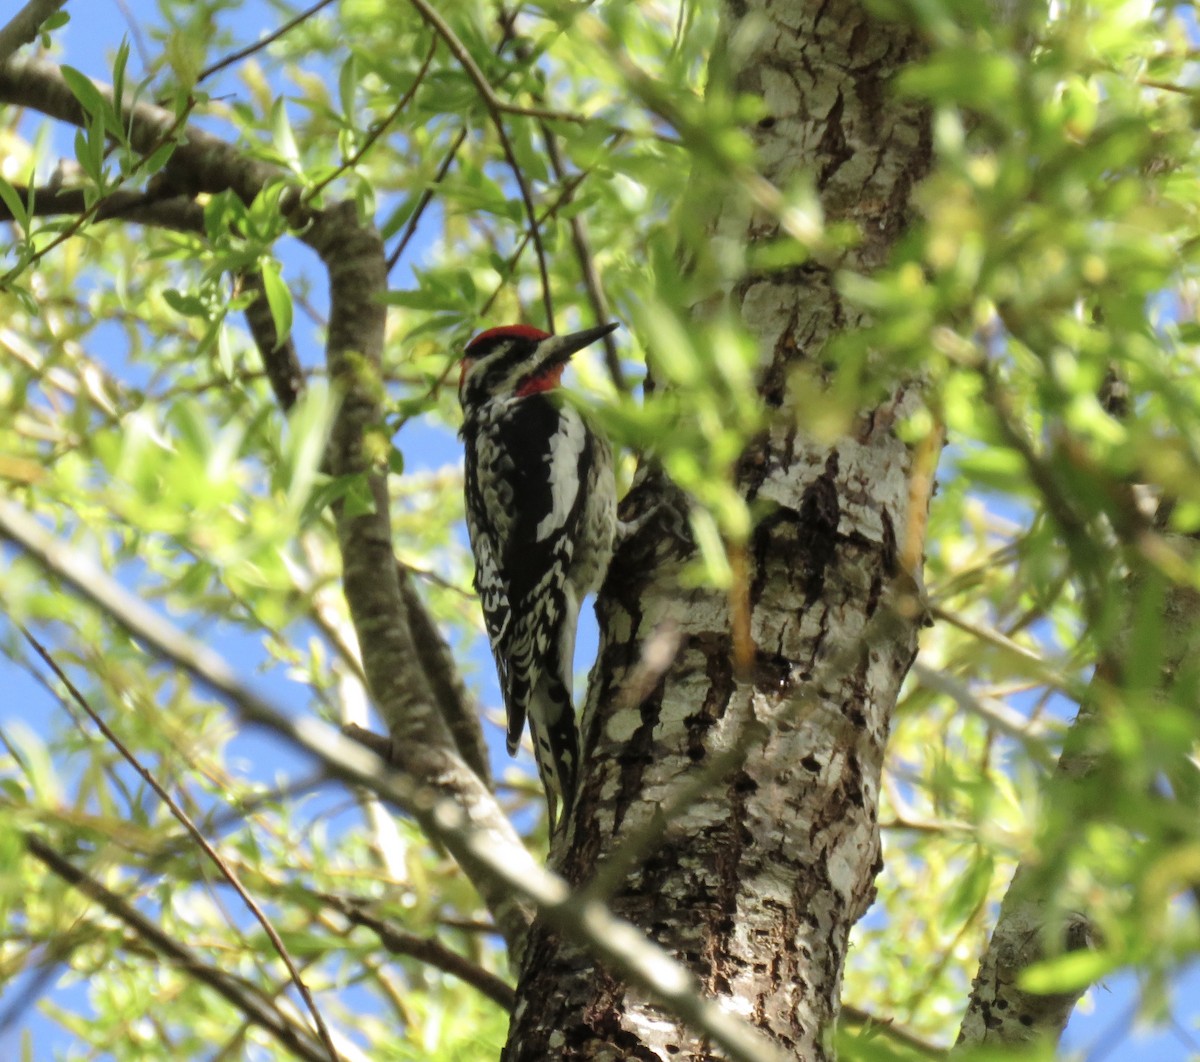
[558, 349]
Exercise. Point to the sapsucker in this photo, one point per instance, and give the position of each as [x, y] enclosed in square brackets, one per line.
[541, 514]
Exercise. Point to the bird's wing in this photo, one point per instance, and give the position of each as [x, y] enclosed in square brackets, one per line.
[524, 537]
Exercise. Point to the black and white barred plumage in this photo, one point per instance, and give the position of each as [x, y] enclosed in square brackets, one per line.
[541, 514]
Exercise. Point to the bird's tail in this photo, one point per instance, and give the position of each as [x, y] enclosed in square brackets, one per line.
[555, 742]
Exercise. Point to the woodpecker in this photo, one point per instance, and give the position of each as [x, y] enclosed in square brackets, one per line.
[541, 515]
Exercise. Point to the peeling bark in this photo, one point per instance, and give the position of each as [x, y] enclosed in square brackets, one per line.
[757, 882]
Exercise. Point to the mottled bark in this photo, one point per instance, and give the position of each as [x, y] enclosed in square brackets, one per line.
[756, 883]
[1029, 929]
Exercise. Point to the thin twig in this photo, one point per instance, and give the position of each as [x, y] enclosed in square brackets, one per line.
[486, 854]
[135, 31]
[583, 249]
[185, 820]
[376, 131]
[426, 949]
[510, 265]
[587, 261]
[493, 102]
[495, 108]
[259, 45]
[83, 218]
[246, 999]
[893, 1031]
[410, 228]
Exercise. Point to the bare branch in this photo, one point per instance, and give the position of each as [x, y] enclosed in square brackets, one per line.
[426, 949]
[178, 213]
[259, 45]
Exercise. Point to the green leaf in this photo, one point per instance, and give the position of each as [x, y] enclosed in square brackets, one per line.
[971, 890]
[97, 143]
[282, 136]
[304, 444]
[222, 213]
[348, 81]
[1071, 972]
[224, 352]
[188, 305]
[83, 156]
[358, 498]
[157, 159]
[85, 91]
[15, 205]
[118, 91]
[279, 298]
[712, 548]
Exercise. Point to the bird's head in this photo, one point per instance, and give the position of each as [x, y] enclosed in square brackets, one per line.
[518, 360]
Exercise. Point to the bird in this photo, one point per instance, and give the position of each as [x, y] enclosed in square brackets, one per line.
[540, 500]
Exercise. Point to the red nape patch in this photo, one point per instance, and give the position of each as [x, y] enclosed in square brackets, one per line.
[514, 331]
[543, 381]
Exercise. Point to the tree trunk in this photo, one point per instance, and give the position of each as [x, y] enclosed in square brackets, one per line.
[756, 882]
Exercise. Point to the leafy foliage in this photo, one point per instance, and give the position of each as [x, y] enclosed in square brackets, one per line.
[1053, 253]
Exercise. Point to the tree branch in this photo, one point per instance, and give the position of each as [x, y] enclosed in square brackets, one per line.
[23, 27]
[494, 108]
[353, 255]
[507, 876]
[455, 702]
[247, 1000]
[201, 162]
[197, 837]
[425, 949]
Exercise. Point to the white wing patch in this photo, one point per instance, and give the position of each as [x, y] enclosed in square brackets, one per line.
[566, 447]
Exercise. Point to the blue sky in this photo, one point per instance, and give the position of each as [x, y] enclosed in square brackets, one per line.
[1104, 1027]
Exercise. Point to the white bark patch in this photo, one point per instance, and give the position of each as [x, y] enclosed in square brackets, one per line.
[566, 447]
[622, 726]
